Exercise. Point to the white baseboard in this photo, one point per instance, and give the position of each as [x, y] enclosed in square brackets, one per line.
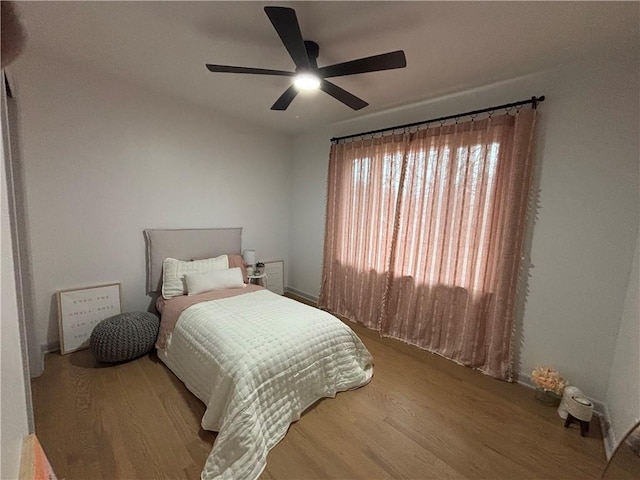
[523, 379]
[608, 435]
[50, 347]
[305, 295]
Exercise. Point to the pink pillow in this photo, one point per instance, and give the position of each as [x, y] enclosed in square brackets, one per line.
[236, 261]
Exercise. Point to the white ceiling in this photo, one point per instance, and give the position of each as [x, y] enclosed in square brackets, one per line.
[450, 46]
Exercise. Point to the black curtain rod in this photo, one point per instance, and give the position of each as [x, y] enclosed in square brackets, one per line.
[533, 101]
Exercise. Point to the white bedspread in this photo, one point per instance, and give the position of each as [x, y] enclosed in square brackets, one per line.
[258, 361]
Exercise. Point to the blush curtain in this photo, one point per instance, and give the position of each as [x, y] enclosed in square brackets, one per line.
[424, 232]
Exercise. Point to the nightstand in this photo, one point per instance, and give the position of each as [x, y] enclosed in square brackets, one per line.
[260, 279]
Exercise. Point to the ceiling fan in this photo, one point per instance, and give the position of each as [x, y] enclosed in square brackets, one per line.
[307, 74]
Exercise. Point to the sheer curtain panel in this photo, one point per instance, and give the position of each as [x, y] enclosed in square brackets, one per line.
[424, 234]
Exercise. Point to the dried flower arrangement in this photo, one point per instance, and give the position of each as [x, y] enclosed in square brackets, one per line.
[548, 379]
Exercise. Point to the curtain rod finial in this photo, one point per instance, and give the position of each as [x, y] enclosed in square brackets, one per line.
[535, 100]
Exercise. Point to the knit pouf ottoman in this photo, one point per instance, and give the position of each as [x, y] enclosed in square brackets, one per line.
[124, 337]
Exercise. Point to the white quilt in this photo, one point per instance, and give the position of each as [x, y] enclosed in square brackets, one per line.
[257, 361]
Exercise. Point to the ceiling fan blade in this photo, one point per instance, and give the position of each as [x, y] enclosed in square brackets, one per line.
[285, 22]
[285, 99]
[255, 71]
[342, 95]
[384, 61]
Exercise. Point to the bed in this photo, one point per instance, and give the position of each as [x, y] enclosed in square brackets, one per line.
[256, 359]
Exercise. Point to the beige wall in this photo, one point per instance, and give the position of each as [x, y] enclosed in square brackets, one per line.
[586, 219]
[104, 159]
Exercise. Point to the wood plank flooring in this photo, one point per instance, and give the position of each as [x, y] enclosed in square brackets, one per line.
[420, 417]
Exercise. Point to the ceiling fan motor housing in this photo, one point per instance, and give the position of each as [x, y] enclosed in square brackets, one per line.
[313, 50]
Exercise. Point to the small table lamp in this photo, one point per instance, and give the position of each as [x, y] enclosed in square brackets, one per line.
[249, 257]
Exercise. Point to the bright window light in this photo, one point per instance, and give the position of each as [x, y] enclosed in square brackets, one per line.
[306, 81]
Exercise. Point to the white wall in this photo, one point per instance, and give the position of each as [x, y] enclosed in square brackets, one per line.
[588, 208]
[307, 211]
[13, 397]
[104, 159]
[623, 392]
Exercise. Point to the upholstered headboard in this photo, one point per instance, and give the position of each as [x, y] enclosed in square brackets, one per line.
[186, 244]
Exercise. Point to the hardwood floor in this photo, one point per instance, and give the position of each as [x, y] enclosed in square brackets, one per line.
[420, 417]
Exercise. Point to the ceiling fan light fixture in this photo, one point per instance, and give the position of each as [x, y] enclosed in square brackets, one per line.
[306, 81]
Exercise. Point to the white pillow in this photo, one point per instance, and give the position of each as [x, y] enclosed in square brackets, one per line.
[214, 280]
[173, 272]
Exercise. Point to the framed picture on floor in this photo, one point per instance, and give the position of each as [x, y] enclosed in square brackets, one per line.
[79, 310]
